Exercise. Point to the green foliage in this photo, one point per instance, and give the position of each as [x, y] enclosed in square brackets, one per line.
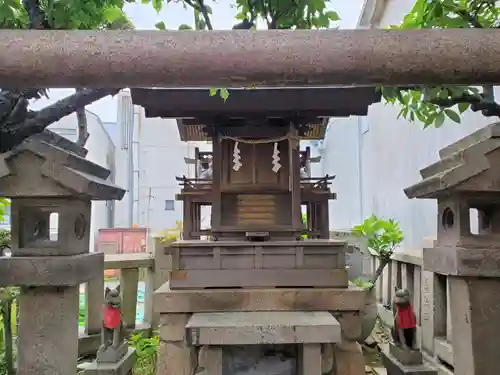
[67, 14]
[288, 14]
[7, 320]
[171, 234]
[4, 203]
[383, 236]
[146, 351]
[433, 105]
[366, 285]
[5, 239]
[304, 222]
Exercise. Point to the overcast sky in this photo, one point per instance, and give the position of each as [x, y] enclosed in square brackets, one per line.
[145, 17]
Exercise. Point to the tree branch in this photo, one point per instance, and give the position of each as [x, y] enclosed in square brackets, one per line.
[81, 117]
[467, 16]
[206, 16]
[201, 7]
[36, 16]
[481, 102]
[473, 20]
[13, 134]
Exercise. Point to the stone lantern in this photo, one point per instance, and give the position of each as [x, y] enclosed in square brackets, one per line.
[50, 184]
[466, 178]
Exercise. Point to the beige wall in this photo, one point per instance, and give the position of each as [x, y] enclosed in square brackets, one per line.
[376, 157]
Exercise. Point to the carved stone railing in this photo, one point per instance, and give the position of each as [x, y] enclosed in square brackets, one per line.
[152, 265]
[430, 296]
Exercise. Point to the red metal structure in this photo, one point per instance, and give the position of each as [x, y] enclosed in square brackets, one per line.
[122, 240]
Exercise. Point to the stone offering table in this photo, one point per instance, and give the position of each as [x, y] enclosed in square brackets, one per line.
[305, 332]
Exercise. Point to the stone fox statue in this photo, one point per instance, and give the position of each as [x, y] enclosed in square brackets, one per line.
[405, 323]
[113, 334]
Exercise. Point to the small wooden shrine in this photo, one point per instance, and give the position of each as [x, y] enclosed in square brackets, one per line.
[259, 296]
[256, 179]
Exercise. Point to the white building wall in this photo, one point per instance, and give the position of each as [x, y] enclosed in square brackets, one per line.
[158, 157]
[100, 151]
[376, 157]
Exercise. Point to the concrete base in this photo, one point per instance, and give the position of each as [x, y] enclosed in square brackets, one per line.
[394, 367]
[112, 355]
[406, 357]
[122, 367]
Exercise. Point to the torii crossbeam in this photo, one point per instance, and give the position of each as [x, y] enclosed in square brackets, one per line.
[116, 59]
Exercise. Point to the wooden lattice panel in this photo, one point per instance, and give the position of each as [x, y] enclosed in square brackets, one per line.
[255, 209]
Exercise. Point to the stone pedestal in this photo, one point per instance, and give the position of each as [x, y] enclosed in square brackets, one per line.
[48, 324]
[122, 367]
[395, 367]
[406, 357]
[475, 304]
[111, 354]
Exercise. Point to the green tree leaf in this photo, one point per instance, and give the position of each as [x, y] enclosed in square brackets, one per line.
[462, 107]
[439, 120]
[161, 25]
[224, 94]
[333, 16]
[157, 5]
[452, 115]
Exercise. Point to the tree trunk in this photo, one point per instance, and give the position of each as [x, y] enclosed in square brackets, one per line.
[81, 116]
[378, 272]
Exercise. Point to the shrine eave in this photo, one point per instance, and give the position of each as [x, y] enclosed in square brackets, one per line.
[279, 102]
[309, 107]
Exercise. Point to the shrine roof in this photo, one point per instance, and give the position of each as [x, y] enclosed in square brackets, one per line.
[310, 107]
[49, 166]
[470, 165]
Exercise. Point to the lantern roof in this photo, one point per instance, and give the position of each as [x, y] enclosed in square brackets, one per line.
[470, 165]
[47, 166]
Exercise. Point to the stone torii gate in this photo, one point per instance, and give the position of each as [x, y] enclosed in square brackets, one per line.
[117, 59]
[250, 58]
